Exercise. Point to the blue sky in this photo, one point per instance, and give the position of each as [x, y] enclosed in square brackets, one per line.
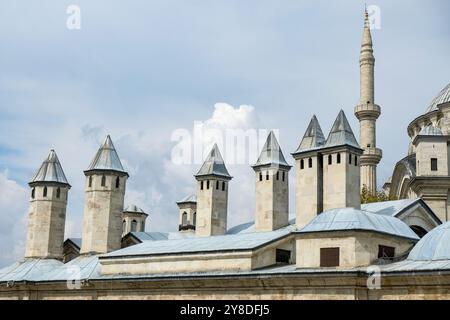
[139, 70]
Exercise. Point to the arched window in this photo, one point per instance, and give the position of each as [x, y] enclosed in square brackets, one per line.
[223, 185]
[207, 185]
[267, 175]
[124, 226]
[330, 159]
[338, 158]
[260, 176]
[284, 175]
[103, 181]
[90, 181]
[217, 185]
[133, 226]
[58, 192]
[356, 160]
[117, 183]
[143, 226]
[278, 175]
[33, 191]
[194, 218]
[349, 158]
[184, 219]
[201, 185]
[302, 164]
[310, 162]
[45, 192]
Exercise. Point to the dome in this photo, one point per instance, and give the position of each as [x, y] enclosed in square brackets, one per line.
[347, 219]
[431, 131]
[442, 97]
[433, 246]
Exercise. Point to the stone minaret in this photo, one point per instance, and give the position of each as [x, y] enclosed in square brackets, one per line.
[47, 213]
[368, 112]
[272, 187]
[134, 219]
[188, 214]
[212, 196]
[309, 171]
[103, 208]
[341, 172]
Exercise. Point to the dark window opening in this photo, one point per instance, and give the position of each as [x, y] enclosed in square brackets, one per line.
[58, 192]
[103, 181]
[133, 226]
[284, 176]
[302, 164]
[33, 193]
[434, 164]
[217, 185]
[260, 176]
[385, 252]
[90, 181]
[278, 175]
[194, 218]
[349, 159]
[267, 175]
[223, 186]
[45, 192]
[207, 185]
[356, 161]
[124, 224]
[338, 158]
[329, 257]
[330, 159]
[201, 185]
[117, 182]
[310, 162]
[421, 232]
[282, 256]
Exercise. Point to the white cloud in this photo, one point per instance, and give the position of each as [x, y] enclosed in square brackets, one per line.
[13, 216]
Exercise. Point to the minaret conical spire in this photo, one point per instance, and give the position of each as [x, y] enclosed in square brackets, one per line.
[106, 158]
[50, 170]
[313, 137]
[214, 165]
[271, 153]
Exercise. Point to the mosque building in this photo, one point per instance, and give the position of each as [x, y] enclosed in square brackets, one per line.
[333, 247]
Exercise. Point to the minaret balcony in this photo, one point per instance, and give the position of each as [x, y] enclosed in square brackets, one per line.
[367, 111]
[371, 156]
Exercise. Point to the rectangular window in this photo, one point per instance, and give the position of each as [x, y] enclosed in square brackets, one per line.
[434, 166]
[278, 175]
[201, 185]
[284, 175]
[350, 158]
[386, 252]
[282, 256]
[207, 185]
[329, 257]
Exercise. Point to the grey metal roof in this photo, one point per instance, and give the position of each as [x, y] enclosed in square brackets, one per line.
[158, 236]
[313, 137]
[50, 170]
[134, 209]
[353, 219]
[435, 245]
[214, 165]
[28, 269]
[271, 153]
[389, 208]
[341, 133]
[249, 227]
[106, 158]
[431, 131]
[442, 97]
[192, 198]
[243, 241]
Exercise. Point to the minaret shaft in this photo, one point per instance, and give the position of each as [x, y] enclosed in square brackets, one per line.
[368, 112]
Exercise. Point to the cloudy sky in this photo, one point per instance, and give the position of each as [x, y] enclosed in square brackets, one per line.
[146, 71]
